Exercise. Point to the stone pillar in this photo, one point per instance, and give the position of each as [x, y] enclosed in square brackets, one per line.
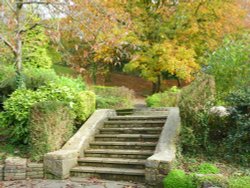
[57, 164]
[15, 168]
[155, 173]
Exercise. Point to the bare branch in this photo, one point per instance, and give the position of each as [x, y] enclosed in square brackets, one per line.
[30, 28]
[7, 43]
[10, 6]
[40, 3]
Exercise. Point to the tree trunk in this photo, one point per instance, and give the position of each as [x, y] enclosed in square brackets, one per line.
[94, 72]
[154, 86]
[157, 85]
[18, 54]
[179, 82]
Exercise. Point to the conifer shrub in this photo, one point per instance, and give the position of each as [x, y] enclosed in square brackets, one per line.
[50, 125]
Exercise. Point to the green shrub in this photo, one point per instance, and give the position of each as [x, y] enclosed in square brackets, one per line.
[178, 179]
[166, 99]
[16, 112]
[17, 107]
[195, 103]
[239, 182]
[207, 168]
[50, 126]
[37, 77]
[114, 97]
[229, 64]
[32, 77]
[85, 105]
[237, 140]
[7, 81]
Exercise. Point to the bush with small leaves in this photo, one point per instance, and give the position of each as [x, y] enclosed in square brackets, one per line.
[178, 179]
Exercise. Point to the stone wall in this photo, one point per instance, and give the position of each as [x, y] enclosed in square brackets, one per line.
[15, 168]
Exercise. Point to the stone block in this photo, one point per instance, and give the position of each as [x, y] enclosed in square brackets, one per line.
[14, 176]
[152, 163]
[59, 163]
[16, 161]
[15, 168]
[34, 173]
[35, 165]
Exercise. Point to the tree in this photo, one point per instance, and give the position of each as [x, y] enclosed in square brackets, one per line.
[187, 31]
[19, 17]
[164, 57]
[91, 29]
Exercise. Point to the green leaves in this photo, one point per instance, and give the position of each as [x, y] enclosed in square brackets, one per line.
[17, 106]
[230, 65]
[35, 49]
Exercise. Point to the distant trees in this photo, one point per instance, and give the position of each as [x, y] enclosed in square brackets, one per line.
[153, 38]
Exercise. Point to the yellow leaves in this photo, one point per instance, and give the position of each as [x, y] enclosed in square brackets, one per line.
[179, 61]
[165, 57]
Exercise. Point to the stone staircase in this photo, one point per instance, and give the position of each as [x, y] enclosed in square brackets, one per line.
[120, 149]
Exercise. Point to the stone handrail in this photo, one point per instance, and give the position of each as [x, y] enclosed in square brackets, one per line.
[57, 164]
[159, 164]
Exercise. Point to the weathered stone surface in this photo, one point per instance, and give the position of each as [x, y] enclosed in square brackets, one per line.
[60, 165]
[15, 168]
[85, 134]
[16, 161]
[152, 163]
[150, 175]
[35, 165]
[159, 164]
[61, 155]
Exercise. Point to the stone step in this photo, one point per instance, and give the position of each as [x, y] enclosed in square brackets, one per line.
[127, 137]
[123, 145]
[141, 118]
[107, 125]
[140, 130]
[112, 162]
[136, 175]
[123, 122]
[111, 153]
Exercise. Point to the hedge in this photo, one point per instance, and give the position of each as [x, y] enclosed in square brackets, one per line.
[51, 124]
